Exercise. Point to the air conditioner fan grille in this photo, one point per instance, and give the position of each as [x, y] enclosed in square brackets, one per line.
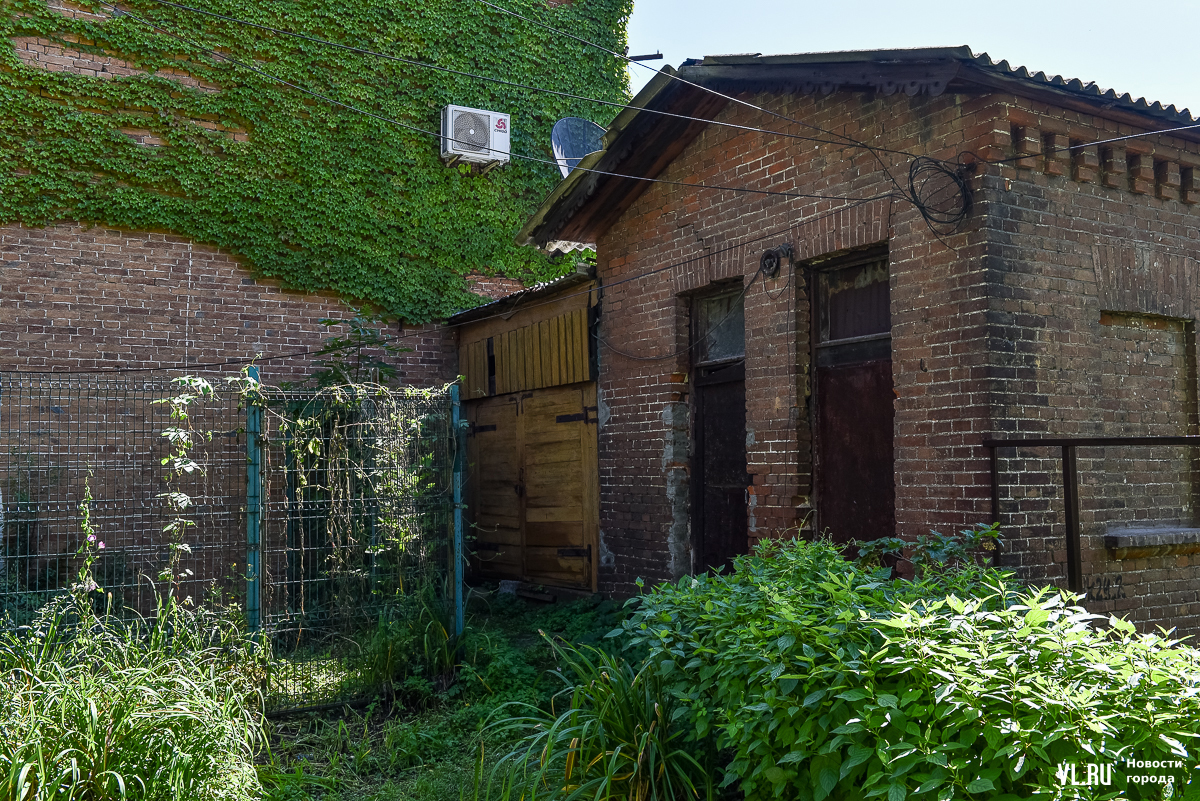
[470, 132]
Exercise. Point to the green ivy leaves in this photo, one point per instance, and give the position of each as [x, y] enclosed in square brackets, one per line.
[319, 198]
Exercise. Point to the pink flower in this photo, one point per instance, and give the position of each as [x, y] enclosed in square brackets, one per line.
[101, 546]
[91, 537]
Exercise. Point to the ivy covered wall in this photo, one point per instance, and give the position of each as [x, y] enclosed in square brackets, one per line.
[164, 136]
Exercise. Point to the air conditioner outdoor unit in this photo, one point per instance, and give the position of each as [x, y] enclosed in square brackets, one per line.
[474, 135]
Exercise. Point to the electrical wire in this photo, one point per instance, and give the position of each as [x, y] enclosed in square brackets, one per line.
[692, 84]
[1082, 145]
[462, 73]
[938, 218]
[922, 206]
[380, 117]
[210, 366]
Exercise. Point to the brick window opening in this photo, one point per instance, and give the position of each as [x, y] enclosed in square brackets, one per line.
[1162, 179]
[1133, 167]
[1018, 140]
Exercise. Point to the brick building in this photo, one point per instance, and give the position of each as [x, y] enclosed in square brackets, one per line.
[80, 299]
[873, 365]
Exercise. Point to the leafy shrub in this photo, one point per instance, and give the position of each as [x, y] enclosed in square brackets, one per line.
[611, 733]
[92, 708]
[944, 554]
[822, 679]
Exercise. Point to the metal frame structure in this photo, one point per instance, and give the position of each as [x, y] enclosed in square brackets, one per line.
[1070, 470]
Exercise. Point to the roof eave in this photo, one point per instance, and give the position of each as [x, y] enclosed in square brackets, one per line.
[573, 184]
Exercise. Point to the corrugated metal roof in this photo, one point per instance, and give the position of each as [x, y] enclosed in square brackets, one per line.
[501, 305]
[1089, 89]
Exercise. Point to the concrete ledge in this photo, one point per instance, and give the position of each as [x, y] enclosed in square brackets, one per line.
[1145, 541]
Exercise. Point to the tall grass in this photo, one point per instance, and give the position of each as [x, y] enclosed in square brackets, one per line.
[95, 708]
[612, 733]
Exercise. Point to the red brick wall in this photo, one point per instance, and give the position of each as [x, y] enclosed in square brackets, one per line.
[74, 298]
[1094, 300]
[644, 496]
[997, 330]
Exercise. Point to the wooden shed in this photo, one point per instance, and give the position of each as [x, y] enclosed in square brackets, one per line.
[530, 398]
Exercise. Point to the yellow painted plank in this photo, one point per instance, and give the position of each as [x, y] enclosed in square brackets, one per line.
[553, 514]
[546, 351]
[554, 535]
[583, 373]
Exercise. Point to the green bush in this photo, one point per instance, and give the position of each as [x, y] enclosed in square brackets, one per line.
[94, 708]
[821, 679]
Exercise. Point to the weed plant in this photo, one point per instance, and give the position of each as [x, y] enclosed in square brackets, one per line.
[610, 733]
[429, 739]
[95, 708]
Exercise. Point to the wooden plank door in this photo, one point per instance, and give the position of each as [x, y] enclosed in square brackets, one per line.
[494, 486]
[720, 523]
[561, 517]
[533, 494]
[855, 400]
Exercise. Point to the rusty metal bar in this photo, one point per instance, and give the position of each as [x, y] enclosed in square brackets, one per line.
[1071, 502]
[1089, 442]
[995, 460]
[1070, 481]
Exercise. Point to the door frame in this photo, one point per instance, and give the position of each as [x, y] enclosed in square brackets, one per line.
[812, 273]
[734, 369]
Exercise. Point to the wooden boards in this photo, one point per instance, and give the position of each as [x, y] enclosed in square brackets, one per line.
[533, 492]
[547, 353]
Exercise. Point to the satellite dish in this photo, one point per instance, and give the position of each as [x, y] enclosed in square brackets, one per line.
[572, 139]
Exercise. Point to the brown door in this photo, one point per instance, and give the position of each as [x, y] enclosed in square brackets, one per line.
[719, 479]
[533, 494]
[561, 511]
[855, 472]
[494, 487]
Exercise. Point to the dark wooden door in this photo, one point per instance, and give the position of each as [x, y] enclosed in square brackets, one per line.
[855, 469]
[719, 479]
[720, 472]
[856, 481]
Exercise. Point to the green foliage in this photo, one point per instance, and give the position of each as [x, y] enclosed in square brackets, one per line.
[318, 198]
[943, 554]
[612, 732]
[359, 356]
[823, 680]
[412, 650]
[94, 708]
[429, 745]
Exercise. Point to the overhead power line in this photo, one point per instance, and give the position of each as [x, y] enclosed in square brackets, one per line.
[382, 118]
[873, 150]
[849, 139]
[489, 79]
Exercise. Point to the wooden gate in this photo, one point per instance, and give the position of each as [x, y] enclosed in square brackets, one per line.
[533, 492]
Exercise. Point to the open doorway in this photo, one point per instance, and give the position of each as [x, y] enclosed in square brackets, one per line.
[854, 398]
[719, 477]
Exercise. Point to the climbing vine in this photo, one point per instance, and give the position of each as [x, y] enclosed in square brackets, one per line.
[311, 195]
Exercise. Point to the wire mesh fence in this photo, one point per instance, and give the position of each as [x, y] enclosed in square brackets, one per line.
[316, 517]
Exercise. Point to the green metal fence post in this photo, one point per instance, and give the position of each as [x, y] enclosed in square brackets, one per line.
[253, 510]
[459, 445]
